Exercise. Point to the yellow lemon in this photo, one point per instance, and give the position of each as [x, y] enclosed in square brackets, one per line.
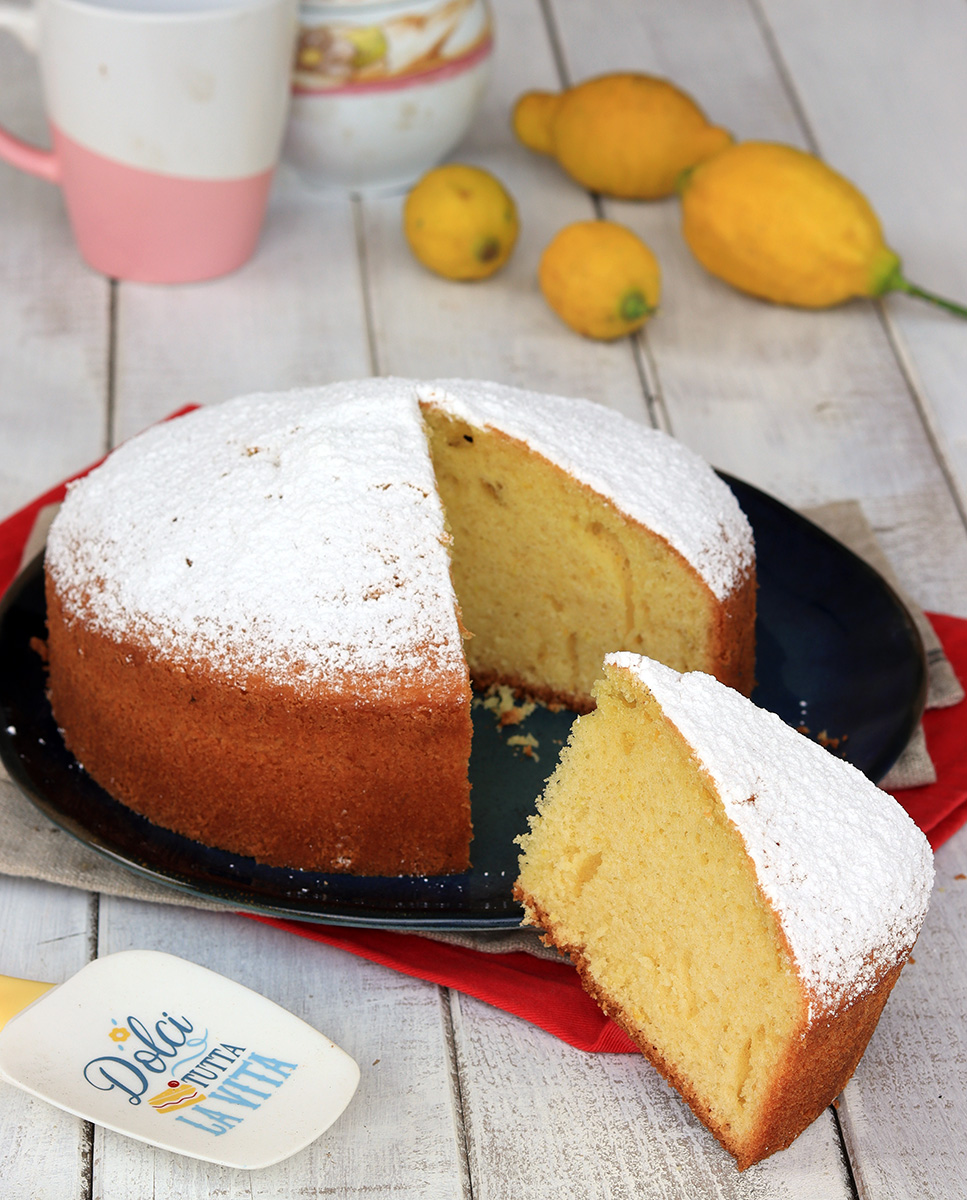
[532, 118]
[600, 279]
[780, 224]
[461, 222]
[624, 134]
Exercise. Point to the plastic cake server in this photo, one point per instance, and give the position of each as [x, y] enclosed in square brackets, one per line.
[173, 1054]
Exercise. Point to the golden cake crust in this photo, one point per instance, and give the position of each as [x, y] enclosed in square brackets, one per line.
[330, 775]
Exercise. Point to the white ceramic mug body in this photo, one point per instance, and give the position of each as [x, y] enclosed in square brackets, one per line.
[383, 91]
[166, 121]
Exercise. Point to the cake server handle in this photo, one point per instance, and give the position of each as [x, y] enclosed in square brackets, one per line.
[16, 994]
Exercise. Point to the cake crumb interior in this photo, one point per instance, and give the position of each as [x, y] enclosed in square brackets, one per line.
[651, 886]
[550, 577]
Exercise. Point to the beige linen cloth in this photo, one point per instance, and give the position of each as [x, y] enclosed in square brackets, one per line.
[32, 846]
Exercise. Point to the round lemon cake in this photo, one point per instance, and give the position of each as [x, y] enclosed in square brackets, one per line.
[264, 616]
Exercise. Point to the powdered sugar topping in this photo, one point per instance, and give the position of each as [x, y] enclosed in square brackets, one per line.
[647, 474]
[297, 535]
[844, 867]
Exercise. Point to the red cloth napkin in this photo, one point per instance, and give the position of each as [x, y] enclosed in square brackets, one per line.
[940, 808]
[548, 994]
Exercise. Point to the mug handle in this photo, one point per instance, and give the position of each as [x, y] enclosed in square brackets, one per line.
[24, 24]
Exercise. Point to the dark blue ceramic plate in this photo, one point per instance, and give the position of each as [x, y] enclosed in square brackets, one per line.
[837, 653]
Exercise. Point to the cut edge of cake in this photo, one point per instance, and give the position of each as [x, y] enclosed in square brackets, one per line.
[833, 901]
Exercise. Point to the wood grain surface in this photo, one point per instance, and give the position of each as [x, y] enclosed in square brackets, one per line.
[868, 401]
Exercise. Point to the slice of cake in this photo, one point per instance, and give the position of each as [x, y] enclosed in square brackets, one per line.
[737, 899]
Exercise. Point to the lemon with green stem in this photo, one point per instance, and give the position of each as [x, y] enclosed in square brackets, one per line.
[460, 222]
[600, 278]
[780, 224]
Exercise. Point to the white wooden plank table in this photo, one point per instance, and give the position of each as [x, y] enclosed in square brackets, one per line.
[868, 402]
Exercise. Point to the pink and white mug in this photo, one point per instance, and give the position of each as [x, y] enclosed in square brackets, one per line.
[166, 121]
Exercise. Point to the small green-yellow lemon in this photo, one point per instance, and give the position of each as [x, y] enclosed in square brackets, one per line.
[600, 278]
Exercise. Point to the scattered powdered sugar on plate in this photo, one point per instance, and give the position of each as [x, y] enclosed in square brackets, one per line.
[843, 865]
[299, 534]
[648, 474]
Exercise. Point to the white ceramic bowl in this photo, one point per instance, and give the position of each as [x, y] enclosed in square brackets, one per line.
[383, 91]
